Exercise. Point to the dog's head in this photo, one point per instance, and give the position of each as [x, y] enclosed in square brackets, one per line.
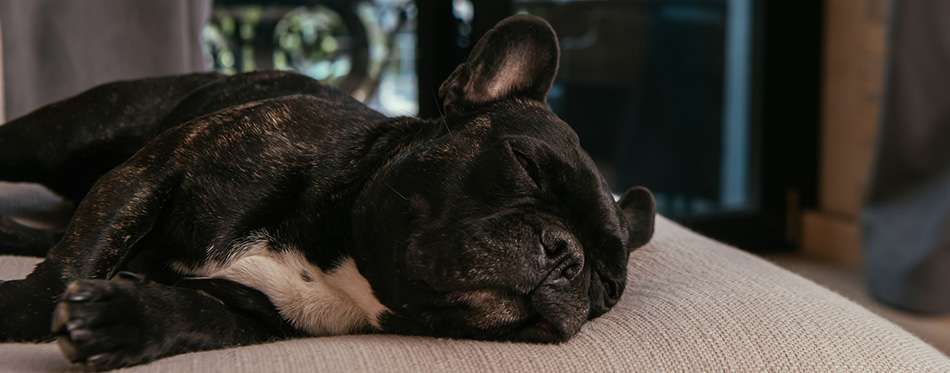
[498, 226]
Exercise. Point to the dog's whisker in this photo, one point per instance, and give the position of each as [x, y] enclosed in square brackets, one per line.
[397, 192]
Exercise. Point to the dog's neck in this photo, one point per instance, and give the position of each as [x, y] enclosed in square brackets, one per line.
[325, 202]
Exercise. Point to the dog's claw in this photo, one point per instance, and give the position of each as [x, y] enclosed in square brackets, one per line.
[78, 297]
[75, 324]
[95, 360]
[67, 347]
[130, 276]
[80, 335]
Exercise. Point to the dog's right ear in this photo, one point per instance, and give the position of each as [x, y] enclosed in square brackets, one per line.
[517, 58]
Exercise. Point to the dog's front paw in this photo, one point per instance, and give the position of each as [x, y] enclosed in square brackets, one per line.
[100, 323]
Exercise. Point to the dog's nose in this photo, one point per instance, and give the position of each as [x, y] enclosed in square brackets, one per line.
[564, 252]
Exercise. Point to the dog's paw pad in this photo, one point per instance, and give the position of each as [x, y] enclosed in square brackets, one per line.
[95, 324]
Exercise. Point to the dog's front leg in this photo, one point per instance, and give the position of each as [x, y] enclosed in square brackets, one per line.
[107, 324]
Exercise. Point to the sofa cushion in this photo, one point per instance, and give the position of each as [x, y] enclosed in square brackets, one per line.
[691, 304]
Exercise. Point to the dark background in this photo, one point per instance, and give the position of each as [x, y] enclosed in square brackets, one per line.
[650, 121]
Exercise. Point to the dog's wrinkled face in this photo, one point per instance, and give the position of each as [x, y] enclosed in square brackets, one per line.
[500, 226]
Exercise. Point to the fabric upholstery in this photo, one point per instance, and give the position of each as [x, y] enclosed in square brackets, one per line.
[691, 304]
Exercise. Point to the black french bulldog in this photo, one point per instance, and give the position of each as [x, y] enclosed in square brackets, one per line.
[267, 205]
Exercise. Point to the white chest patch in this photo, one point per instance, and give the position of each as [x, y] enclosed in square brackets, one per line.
[321, 303]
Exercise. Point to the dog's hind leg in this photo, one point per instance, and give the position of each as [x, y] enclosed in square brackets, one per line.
[69, 144]
[19, 239]
[101, 237]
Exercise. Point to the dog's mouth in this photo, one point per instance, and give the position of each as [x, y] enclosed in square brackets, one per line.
[538, 330]
[532, 329]
[502, 315]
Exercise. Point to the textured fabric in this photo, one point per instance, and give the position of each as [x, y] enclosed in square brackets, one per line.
[691, 305]
[906, 225]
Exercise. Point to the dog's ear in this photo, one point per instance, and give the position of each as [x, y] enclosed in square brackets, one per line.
[640, 209]
[518, 57]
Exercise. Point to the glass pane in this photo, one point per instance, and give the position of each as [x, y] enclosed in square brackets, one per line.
[366, 48]
[658, 93]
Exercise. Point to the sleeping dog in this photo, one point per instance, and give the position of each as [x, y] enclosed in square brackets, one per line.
[219, 211]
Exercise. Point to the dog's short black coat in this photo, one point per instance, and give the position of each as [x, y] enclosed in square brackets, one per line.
[267, 205]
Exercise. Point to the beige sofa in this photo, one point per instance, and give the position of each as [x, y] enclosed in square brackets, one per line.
[692, 304]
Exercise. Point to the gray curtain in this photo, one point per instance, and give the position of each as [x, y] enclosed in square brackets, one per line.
[53, 49]
[906, 221]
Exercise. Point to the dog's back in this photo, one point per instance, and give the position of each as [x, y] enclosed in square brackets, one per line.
[150, 106]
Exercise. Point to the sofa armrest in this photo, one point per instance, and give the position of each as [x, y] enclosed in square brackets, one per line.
[692, 304]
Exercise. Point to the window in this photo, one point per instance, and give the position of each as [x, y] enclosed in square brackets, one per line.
[366, 48]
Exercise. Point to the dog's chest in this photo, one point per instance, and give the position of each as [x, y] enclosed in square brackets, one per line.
[339, 301]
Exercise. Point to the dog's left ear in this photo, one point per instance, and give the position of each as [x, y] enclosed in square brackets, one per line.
[640, 209]
[518, 57]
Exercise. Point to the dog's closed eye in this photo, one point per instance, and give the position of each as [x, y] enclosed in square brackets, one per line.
[522, 159]
[527, 164]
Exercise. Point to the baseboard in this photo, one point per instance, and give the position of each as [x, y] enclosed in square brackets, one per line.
[832, 238]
